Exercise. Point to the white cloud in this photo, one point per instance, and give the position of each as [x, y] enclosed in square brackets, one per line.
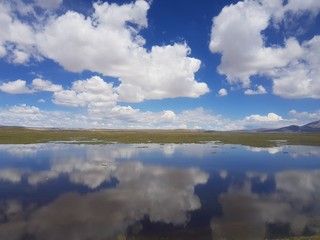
[292, 67]
[107, 42]
[305, 116]
[183, 126]
[200, 118]
[158, 79]
[297, 6]
[20, 86]
[12, 29]
[24, 109]
[124, 111]
[301, 79]
[260, 90]
[168, 115]
[45, 85]
[32, 116]
[103, 47]
[247, 55]
[16, 38]
[269, 121]
[223, 92]
[103, 115]
[38, 10]
[23, 115]
[113, 49]
[19, 57]
[271, 117]
[93, 92]
[3, 51]
[15, 87]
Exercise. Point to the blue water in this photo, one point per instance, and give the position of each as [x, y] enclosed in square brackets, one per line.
[151, 191]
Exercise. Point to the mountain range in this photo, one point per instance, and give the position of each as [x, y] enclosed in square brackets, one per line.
[310, 127]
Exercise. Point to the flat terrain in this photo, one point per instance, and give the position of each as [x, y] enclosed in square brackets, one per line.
[19, 135]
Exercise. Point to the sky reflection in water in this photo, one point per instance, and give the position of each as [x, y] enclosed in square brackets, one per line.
[204, 191]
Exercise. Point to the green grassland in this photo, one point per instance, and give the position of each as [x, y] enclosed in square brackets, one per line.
[17, 135]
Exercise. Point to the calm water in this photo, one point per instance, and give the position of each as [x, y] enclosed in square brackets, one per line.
[185, 191]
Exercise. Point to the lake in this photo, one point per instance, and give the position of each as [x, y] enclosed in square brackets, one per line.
[153, 191]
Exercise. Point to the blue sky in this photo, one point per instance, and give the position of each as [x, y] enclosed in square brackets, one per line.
[209, 64]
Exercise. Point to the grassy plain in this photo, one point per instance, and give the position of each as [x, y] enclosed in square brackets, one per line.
[17, 135]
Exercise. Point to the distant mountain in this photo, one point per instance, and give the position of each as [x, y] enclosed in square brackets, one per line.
[313, 125]
[310, 127]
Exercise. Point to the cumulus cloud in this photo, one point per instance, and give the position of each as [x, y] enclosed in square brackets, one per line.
[20, 57]
[301, 79]
[32, 116]
[128, 117]
[23, 115]
[168, 73]
[20, 86]
[260, 90]
[271, 120]
[296, 6]
[271, 117]
[223, 92]
[24, 109]
[103, 115]
[3, 51]
[17, 39]
[45, 85]
[247, 55]
[92, 92]
[168, 115]
[15, 87]
[108, 42]
[292, 66]
[104, 40]
[305, 116]
[115, 117]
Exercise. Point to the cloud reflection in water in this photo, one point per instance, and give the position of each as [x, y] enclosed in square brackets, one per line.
[162, 194]
[105, 190]
[294, 204]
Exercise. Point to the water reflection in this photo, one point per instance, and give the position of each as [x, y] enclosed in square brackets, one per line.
[294, 151]
[271, 150]
[291, 209]
[200, 191]
[141, 191]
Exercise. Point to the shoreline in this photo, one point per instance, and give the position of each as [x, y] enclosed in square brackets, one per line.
[20, 135]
